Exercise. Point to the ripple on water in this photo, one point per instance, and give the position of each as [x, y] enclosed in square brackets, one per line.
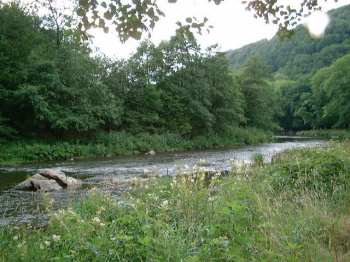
[108, 175]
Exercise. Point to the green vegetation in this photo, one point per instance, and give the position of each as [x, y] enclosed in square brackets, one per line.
[136, 18]
[309, 75]
[59, 101]
[333, 134]
[296, 209]
[300, 54]
[121, 143]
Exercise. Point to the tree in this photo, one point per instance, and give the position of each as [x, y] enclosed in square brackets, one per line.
[44, 89]
[134, 18]
[19, 36]
[254, 80]
[332, 94]
[300, 54]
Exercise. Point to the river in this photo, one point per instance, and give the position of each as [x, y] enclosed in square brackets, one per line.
[23, 207]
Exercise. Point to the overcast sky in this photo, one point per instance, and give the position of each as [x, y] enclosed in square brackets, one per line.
[233, 26]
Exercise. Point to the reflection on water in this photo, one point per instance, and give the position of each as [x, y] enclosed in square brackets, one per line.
[18, 207]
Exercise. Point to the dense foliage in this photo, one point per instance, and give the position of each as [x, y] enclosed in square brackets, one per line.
[296, 209]
[133, 19]
[309, 75]
[54, 89]
[301, 54]
[50, 89]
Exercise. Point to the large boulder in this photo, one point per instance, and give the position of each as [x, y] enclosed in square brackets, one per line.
[48, 180]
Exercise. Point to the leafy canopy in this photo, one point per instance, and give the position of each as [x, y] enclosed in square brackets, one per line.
[133, 18]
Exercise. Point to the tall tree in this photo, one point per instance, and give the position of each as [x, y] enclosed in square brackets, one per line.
[255, 84]
[332, 93]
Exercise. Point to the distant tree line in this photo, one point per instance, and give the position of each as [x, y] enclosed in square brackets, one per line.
[310, 76]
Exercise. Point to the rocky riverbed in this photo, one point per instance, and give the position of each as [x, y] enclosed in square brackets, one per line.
[117, 175]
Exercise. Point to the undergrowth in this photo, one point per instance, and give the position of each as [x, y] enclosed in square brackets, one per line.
[294, 209]
[121, 143]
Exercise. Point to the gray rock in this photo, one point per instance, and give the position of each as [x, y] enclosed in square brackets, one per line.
[151, 153]
[48, 180]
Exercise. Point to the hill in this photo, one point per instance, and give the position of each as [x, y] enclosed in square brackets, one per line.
[300, 54]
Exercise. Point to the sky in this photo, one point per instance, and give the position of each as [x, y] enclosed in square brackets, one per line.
[234, 26]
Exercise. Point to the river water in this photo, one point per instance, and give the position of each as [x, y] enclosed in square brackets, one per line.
[23, 207]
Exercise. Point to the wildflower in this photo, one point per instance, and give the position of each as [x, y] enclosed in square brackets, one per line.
[47, 243]
[56, 238]
[96, 220]
[102, 224]
[211, 199]
[15, 238]
[165, 203]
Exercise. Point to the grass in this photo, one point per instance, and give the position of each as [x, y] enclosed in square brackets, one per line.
[335, 134]
[295, 209]
[121, 143]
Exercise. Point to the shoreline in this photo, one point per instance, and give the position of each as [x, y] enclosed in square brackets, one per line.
[122, 145]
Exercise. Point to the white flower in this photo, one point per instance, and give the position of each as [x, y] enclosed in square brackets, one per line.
[96, 220]
[211, 199]
[56, 238]
[47, 243]
[165, 203]
[15, 238]
[102, 224]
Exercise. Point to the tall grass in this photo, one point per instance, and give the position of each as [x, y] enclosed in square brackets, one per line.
[121, 143]
[335, 134]
[296, 209]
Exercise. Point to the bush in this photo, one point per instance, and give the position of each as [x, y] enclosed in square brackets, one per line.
[121, 143]
[323, 169]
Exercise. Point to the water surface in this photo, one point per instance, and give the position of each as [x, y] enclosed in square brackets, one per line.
[17, 207]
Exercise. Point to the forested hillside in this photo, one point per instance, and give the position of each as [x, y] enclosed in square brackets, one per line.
[308, 75]
[300, 54]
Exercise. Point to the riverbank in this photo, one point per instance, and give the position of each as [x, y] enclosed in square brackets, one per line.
[122, 144]
[334, 134]
[295, 209]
